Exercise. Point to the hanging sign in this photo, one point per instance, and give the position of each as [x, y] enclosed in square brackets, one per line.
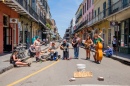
[113, 23]
[13, 20]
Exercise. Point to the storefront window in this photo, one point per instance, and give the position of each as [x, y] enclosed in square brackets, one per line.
[125, 33]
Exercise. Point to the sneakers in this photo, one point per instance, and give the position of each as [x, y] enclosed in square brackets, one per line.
[29, 64]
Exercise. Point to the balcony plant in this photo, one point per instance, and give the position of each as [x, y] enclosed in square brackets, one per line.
[49, 26]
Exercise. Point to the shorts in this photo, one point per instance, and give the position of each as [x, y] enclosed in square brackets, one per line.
[38, 49]
[114, 45]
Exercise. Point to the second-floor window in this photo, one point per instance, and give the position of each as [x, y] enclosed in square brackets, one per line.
[87, 4]
[83, 10]
[95, 13]
[85, 7]
[98, 10]
[89, 16]
[92, 13]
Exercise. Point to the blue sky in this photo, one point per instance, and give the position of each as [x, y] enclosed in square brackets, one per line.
[63, 11]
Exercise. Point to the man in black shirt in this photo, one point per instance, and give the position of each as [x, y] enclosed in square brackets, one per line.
[65, 48]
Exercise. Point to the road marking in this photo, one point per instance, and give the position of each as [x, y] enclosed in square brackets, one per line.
[26, 77]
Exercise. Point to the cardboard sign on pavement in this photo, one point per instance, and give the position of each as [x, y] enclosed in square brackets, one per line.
[82, 74]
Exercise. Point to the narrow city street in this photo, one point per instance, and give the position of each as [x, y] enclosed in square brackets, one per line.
[56, 73]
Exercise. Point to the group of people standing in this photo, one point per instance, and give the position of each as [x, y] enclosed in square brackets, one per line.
[88, 44]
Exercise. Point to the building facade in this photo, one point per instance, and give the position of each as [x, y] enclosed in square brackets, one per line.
[8, 28]
[111, 18]
[78, 20]
[88, 14]
[22, 20]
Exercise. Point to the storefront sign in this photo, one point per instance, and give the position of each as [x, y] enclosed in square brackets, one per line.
[113, 23]
[13, 20]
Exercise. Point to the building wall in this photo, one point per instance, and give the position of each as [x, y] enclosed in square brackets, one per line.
[80, 19]
[1, 32]
[103, 26]
[91, 7]
[12, 14]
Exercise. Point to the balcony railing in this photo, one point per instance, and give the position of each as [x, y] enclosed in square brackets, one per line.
[28, 8]
[42, 19]
[81, 25]
[116, 7]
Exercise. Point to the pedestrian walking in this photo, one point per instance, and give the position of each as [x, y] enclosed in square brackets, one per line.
[75, 44]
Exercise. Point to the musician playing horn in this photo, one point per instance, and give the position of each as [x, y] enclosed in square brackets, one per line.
[97, 38]
[88, 43]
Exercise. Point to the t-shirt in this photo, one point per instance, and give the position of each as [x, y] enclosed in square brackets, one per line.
[52, 48]
[66, 46]
[97, 40]
[75, 40]
[114, 41]
[110, 51]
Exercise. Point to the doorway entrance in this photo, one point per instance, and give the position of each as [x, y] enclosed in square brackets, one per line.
[7, 34]
[7, 39]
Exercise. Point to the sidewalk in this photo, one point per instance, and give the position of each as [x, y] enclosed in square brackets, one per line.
[4, 60]
[124, 58]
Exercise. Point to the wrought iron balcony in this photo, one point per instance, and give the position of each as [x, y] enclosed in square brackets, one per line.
[114, 8]
[42, 3]
[81, 25]
[118, 6]
[43, 20]
[28, 8]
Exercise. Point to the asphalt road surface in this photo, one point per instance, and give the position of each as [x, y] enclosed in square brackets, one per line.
[58, 73]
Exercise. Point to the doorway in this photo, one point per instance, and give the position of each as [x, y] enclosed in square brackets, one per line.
[7, 39]
[7, 34]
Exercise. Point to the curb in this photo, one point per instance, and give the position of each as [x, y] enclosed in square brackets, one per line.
[122, 60]
[11, 65]
[7, 68]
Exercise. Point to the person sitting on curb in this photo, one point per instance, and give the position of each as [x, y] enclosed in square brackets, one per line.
[108, 52]
[32, 51]
[53, 53]
[65, 47]
[15, 61]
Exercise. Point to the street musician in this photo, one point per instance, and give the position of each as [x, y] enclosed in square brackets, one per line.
[98, 48]
[88, 43]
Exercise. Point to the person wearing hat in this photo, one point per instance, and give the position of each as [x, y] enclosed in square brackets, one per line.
[53, 52]
[65, 47]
